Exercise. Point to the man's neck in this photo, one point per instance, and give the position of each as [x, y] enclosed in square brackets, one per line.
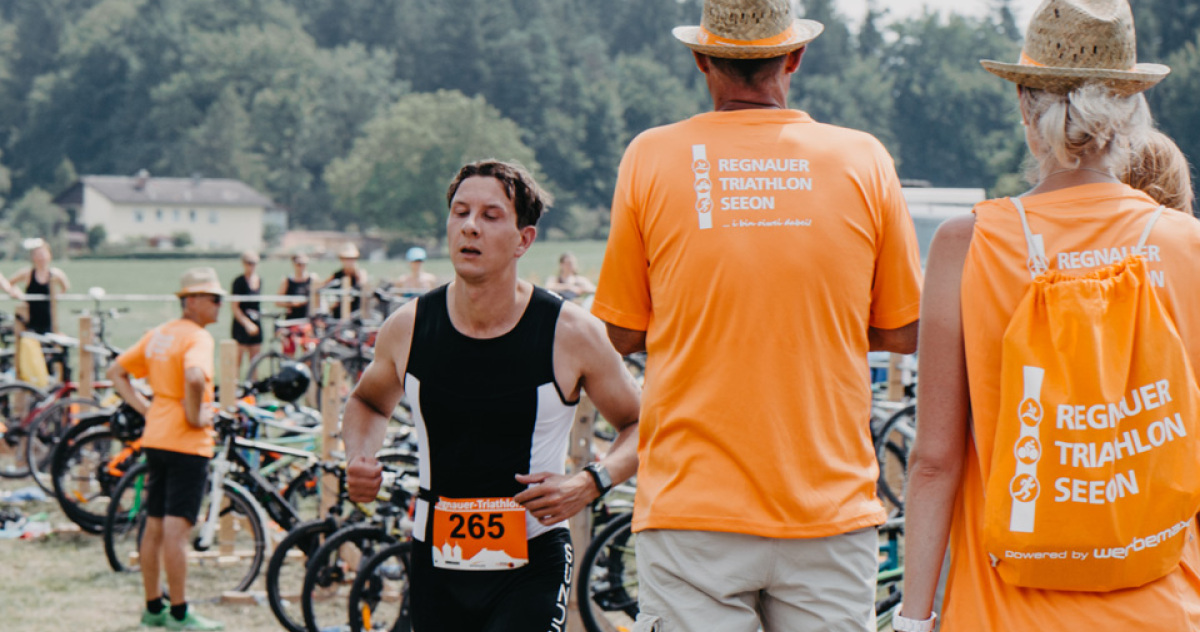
[490, 308]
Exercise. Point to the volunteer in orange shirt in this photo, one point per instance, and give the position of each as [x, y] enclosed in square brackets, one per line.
[177, 360]
[1081, 111]
[757, 256]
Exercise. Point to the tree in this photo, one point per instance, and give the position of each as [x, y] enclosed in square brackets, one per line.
[35, 215]
[96, 236]
[396, 174]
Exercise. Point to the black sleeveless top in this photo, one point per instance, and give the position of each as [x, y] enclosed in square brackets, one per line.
[298, 288]
[486, 409]
[336, 282]
[39, 311]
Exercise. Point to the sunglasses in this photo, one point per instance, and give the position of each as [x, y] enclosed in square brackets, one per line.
[216, 298]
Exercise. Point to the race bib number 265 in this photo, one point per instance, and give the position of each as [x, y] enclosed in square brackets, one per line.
[479, 534]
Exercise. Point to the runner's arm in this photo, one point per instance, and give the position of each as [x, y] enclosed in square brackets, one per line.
[936, 463]
[60, 276]
[626, 341]
[194, 411]
[371, 403]
[901, 340]
[581, 349]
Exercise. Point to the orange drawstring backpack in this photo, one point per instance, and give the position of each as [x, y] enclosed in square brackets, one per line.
[1096, 466]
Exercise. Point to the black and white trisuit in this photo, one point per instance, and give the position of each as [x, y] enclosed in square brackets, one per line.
[486, 410]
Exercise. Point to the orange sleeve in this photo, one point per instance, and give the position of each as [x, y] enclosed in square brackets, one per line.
[133, 359]
[199, 353]
[896, 291]
[623, 293]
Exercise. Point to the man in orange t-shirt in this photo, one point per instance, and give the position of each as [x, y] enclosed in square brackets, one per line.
[757, 256]
[176, 358]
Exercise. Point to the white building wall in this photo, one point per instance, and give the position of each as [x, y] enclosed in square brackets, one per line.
[96, 209]
[214, 228]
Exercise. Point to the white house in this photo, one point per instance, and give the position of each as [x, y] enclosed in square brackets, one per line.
[219, 214]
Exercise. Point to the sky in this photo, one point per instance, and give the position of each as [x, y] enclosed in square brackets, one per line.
[856, 9]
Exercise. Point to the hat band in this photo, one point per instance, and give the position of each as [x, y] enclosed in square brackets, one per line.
[708, 38]
[1026, 60]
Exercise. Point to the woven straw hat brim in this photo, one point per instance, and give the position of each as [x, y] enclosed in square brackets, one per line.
[201, 288]
[1062, 80]
[805, 32]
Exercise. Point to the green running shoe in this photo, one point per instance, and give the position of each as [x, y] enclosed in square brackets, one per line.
[193, 621]
[151, 620]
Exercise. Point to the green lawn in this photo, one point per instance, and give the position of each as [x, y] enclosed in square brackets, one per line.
[162, 277]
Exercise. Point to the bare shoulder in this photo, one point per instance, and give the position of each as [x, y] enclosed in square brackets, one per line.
[580, 331]
[399, 326]
[957, 229]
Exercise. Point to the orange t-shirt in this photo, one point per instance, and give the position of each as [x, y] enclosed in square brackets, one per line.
[1084, 228]
[162, 355]
[755, 248]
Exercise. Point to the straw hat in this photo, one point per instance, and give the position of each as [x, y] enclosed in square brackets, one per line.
[1073, 42]
[348, 251]
[748, 29]
[199, 281]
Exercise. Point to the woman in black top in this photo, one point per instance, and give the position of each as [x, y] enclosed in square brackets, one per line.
[247, 328]
[348, 255]
[40, 276]
[298, 284]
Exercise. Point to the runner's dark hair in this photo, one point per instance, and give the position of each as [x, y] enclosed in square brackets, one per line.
[748, 71]
[529, 199]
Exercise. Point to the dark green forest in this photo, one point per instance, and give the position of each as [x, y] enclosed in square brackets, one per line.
[355, 113]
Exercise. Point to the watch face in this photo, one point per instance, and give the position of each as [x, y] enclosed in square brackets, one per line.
[602, 477]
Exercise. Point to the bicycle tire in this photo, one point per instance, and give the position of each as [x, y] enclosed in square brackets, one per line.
[265, 365]
[892, 446]
[209, 572]
[80, 475]
[326, 577]
[124, 520]
[604, 578]
[373, 587]
[47, 427]
[17, 399]
[305, 538]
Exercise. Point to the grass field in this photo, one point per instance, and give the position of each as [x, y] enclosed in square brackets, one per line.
[162, 277]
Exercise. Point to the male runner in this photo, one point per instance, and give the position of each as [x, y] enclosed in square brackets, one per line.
[177, 359]
[493, 368]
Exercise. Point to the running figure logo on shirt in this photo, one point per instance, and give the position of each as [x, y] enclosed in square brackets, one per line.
[1024, 488]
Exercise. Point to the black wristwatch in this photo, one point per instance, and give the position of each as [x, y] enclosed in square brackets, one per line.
[600, 476]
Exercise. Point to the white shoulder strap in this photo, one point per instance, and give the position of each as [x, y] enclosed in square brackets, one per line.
[1150, 226]
[1037, 263]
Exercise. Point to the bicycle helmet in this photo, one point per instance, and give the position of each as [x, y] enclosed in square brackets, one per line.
[291, 382]
[416, 253]
[126, 423]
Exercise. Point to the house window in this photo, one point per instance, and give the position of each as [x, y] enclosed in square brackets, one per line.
[192, 215]
[158, 214]
[212, 217]
[137, 215]
[175, 215]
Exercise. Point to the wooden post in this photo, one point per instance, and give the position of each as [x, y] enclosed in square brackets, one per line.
[364, 303]
[87, 364]
[331, 409]
[314, 299]
[344, 300]
[895, 381]
[53, 304]
[578, 456]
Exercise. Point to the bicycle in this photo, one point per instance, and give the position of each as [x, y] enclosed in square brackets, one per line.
[89, 460]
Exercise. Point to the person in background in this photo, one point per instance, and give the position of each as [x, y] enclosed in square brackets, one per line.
[298, 283]
[417, 281]
[568, 282]
[176, 358]
[247, 319]
[1082, 115]
[39, 278]
[348, 255]
[1158, 167]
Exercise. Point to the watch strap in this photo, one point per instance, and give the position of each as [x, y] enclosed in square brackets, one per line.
[901, 623]
[601, 484]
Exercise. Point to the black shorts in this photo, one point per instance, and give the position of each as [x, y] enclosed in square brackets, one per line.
[533, 597]
[176, 484]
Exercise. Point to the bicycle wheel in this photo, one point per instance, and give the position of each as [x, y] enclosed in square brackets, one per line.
[331, 569]
[125, 520]
[889, 581]
[608, 586]
[892, 445]
[285, 570]
[46, 429]
[264, 365]
[379, 597]
[16, 401]
[83, 472]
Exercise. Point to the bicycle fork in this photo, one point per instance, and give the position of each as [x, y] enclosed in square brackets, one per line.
[218, 468]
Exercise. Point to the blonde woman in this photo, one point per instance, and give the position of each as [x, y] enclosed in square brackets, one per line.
[1079, 89]
[1158, 167]
[39, 277]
